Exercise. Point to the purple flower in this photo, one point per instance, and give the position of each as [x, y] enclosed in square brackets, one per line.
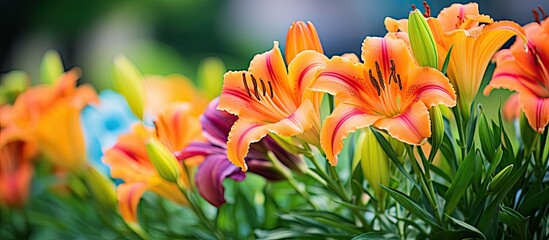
[209, 177]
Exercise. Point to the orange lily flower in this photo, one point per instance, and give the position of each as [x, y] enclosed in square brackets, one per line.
[475, 38]
[527, 73]
[389, 91]
[129, 161]
[270, 98]
[16, 169]
[50, 114]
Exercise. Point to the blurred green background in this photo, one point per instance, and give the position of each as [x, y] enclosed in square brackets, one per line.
[170, 36]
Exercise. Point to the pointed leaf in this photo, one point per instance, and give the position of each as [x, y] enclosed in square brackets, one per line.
[411, 206]
[466, 226]
[461, 181]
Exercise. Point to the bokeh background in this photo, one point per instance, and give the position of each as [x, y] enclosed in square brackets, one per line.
[172, 36]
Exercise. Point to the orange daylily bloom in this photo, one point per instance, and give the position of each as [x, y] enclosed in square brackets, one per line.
[527, 73]
[16, 169]
[128, 159]
[389, 91]
[50, 114]
[474, 37]
[301, 37]
[270, 98]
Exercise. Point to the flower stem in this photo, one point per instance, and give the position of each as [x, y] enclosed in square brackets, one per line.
[336, 186]
[291, 180]
[426, 182]
[198, 211]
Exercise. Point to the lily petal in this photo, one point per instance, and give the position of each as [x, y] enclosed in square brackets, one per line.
[394, 25]
[128, 199]
[431, 87]
[512, 108]
[210, 175]
[302, 70]
[243, 133]
[297, 123]
[270, 66]
[452, 17]
[536, 110]
[412, 126]
[64, 145]
[344, 120]
[239, 99]
[176, 127]
[346, 81]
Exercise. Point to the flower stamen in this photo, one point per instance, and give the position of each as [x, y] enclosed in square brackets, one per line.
[427, 9]
[246, 84]
[374, 83]
[254, 82]
[263, 87]
[380, 76]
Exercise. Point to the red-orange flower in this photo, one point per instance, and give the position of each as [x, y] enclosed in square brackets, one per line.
[527, 72]
[16, 169]
[128, 159]
[474, 39]
[272, 98]
[50, 116]
[388, 91]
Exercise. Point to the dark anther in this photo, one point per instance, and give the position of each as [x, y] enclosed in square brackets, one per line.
[246, 84]
[413, 7]
[536, 15]
[399, 82]
[427, 9]
[263, 86]
[271, 88]
[543, 15]
[380, 76]
[254, 82]
[393, 72]
[374, 83]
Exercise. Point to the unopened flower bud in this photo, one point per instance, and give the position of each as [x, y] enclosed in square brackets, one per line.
[128, 81]
[210, 76]
[422, 40]
[301, 36]
[500, 178]
[163, 160]
[51, 67]
[437, 128]
[101, 188]
[376, 165]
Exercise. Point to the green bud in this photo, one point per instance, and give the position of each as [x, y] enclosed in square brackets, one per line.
[437, 130]
[128, 81]
[51, 67]
[210, 76]
[376, 165]
[163, 160]
[422, 40]
[500, 178]
[13, 83]
[101, 188]
[398, 146]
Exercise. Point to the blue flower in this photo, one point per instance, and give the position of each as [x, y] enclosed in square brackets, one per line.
[103, 123]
